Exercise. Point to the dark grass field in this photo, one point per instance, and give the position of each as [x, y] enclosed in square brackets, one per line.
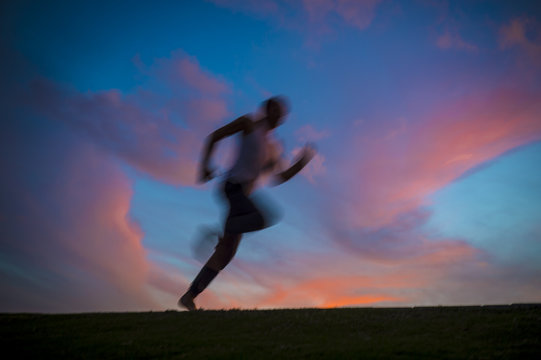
[476, 332]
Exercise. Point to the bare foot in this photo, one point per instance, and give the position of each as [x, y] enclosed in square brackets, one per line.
[186, 301]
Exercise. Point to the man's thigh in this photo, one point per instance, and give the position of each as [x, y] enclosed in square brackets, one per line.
[224, 251]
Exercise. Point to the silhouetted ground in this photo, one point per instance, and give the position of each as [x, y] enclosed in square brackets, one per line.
[476, 332]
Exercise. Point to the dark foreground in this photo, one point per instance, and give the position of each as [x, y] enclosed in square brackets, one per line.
[490, 332]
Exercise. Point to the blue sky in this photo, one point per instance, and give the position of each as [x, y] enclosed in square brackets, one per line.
[425, 189]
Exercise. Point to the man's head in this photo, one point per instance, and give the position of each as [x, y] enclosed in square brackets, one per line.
[276, 108]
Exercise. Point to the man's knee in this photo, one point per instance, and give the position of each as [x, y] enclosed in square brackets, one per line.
[224, 253]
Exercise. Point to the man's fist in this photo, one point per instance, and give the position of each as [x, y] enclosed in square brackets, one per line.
[308, 152]
[206, 174]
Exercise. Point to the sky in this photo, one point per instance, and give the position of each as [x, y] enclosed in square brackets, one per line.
[425, 189]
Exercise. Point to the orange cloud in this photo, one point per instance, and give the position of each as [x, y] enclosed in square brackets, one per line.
[333, 290]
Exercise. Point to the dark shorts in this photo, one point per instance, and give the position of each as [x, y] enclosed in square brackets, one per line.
[244, 215]
[239, 201]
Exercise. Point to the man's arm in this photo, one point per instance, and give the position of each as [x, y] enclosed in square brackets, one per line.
[308, 153]
[243, 124]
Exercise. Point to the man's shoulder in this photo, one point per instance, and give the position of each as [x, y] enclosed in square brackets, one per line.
[246, 118]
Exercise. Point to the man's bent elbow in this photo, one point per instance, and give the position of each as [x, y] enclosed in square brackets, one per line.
[211, 138]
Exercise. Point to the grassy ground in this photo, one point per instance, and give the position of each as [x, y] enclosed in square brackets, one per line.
[494, 332]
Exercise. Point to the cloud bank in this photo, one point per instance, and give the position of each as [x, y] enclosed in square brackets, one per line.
[68, 241]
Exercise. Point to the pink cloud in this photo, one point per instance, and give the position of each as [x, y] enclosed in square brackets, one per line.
[99, 232]
[191, 73]
[201, 114]
[179, 87]
[150, 142]
[71, 243]
[397, 167]
[515, 34]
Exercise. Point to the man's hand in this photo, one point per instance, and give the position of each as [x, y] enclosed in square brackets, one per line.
[206, 174]
[243, 124]
[308, 152]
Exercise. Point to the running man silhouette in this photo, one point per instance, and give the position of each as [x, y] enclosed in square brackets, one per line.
[255, 157]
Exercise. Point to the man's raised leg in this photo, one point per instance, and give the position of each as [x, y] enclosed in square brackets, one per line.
[223, 253]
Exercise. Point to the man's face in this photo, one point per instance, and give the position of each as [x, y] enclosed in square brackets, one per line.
[275, 115]
[274, 121]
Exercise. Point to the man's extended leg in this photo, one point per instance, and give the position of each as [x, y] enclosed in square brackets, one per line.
[243, 217]
[223, 253]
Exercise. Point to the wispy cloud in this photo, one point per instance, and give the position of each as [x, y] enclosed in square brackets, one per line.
[449, 40]
[525, 34]
[313, 18]
[357, 13]
[158, 133]
[308, 133]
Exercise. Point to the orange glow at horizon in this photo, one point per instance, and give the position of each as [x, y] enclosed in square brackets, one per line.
[358, 300]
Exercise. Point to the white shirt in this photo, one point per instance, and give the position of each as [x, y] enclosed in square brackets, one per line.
[256, 150]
